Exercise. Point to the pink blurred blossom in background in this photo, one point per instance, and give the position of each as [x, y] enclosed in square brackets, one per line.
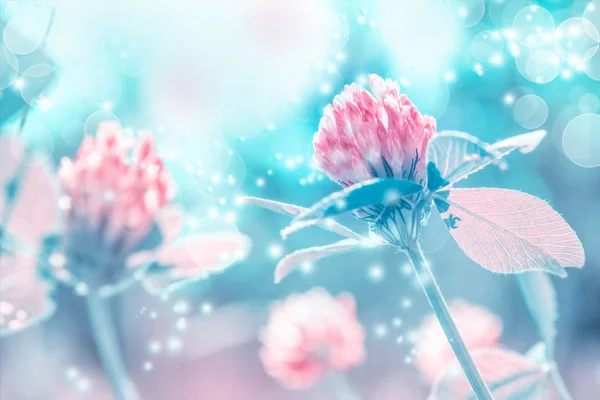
[106, 184]
[120, 216]
[308, 335]
[479, 328]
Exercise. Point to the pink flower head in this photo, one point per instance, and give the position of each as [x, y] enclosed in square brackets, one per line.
[115, 188]
[380, 135]
[479, 328]
[309, 334]
[363, 136]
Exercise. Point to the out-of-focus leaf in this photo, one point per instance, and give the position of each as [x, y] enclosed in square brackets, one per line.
[507, 231]
[452, 156]
[525, 143]
[294, 260]
[290, 209]
[509, 375]
[196, 257]
[11, 154]
[31, 211]
[25, 298]
[540, 297]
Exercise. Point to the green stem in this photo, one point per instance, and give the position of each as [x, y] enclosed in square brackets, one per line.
[108, 348]
[436, 299]
[341, 387]
[559, 384]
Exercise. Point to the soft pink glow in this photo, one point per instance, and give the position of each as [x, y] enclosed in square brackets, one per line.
[361, 128]
[309, 334]
[24, 296]
[479, 328]
[118, 180]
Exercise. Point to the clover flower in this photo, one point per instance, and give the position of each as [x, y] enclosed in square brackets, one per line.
[119, 218]
[310, 334]
[363, 137]
[479, 328]
[114, 190]
[119, 225]
[394, 168]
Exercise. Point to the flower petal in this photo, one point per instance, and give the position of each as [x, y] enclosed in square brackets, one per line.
[170, 222]
[509, 375]
[507, 231]
[452, 156]
[293, 260]
[196, 257]
[290, 209]
[35, 207]
[24, 297]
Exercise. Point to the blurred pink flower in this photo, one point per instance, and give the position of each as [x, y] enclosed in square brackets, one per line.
[115, 184]
[27, 218]
[479, 328]
[120, 218]
[363, 136]
[309, 334]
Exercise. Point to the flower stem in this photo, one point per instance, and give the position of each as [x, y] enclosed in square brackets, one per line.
[436, 299]
[108, 348]
[559, 384]
[341, 387]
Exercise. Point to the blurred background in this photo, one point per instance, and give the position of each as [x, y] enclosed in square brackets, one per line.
[234, 91]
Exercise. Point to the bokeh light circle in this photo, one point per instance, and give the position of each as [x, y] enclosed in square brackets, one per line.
[589, 103]
[543, 66]
[467, 12]
[592, 67]
[91, 123]
[34, 80]
[540, 64]
[581, 140]
[72, 132]
[533, 26]
[592, 14]
[9, 67]
[338, 30]
[503, 12]
[530, 111]
[430, 94]
[16, 41]
[211, 226]
[487, 46]
[577, 40]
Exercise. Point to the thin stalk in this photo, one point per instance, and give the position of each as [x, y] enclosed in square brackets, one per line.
[559, 384]
[340, 386]
[436, 299]
[108, 348]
